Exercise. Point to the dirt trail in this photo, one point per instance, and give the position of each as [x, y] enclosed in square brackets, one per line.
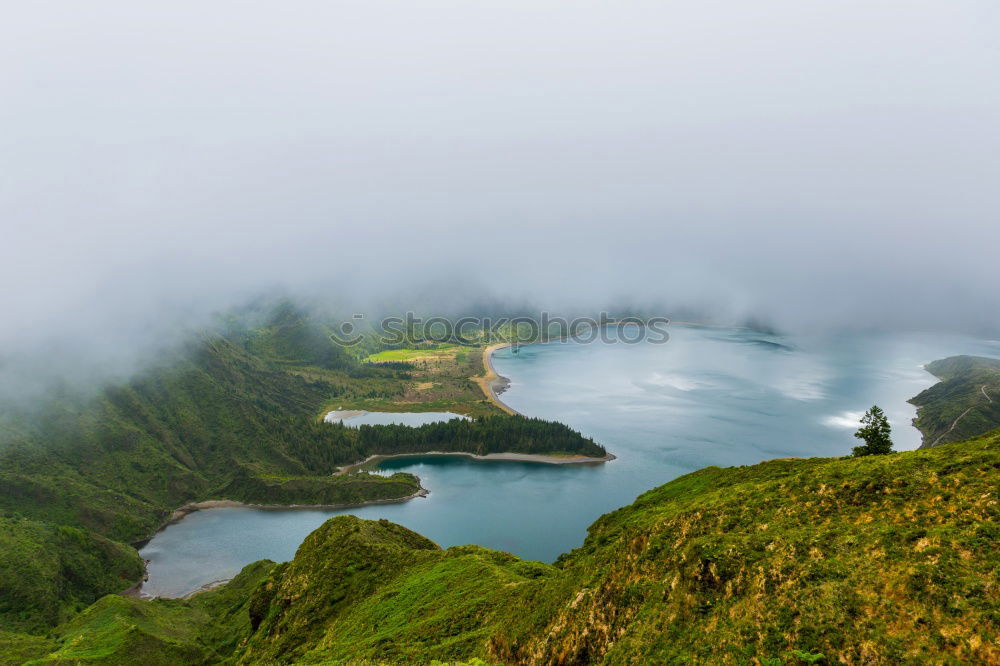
[955, 422]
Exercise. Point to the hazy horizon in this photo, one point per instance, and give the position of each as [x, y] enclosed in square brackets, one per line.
[810, 165]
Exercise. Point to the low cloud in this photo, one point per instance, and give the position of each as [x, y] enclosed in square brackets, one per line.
[810, 165]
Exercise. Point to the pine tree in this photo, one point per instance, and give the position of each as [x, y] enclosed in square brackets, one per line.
[874, 431]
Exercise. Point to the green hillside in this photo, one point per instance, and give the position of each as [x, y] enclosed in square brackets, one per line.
[234, 416]
[877, 560]
[885, 560]
[117, 463]
[48, 572]
[965, 403]
[162, 632]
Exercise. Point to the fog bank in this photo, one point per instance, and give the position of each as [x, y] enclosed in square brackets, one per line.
[810, 164]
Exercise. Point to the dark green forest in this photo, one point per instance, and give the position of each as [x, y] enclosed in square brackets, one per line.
[231, 415]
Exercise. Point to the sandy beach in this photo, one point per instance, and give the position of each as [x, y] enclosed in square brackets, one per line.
[338, 415]
[188, 509]
[499, 457]
[491, 383]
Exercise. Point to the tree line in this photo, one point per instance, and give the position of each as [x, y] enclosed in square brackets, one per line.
[327, 446]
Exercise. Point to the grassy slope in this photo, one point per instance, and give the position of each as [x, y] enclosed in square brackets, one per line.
[117, 464]
[48, 573]
[374, 590]
[218, 422]
[434, 376]
[125, 630]
[878, 560]
[231, 417]
[886, 559]
[439, 381]
[959, 399]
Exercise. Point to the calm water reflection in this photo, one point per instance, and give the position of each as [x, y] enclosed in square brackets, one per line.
[708, 397]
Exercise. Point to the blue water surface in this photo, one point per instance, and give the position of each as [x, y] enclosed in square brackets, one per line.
[710, 396]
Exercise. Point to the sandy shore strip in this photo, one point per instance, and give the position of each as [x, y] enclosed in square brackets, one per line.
[497, 457]
[188, 509]
[493, 384]
[343, 415]
[207, 586]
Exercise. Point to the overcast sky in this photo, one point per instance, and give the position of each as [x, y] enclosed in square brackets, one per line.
[808, 162]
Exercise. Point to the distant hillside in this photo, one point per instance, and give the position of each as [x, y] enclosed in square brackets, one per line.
[117, 463]
[878, 560]
[235, 416]
[966, 402]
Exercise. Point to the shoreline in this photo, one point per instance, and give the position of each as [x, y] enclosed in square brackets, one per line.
[186, 510]
[183, 512]
[342, 415]
[493, 384]
[489, 457]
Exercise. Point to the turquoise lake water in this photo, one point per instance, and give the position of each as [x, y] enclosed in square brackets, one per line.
[709, 396]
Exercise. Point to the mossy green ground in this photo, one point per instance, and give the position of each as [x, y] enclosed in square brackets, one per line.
[432, 353]
[888, 559]
[878, 560]
[50, 572]
[232, 415]
[374, 590]
[125, 630]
